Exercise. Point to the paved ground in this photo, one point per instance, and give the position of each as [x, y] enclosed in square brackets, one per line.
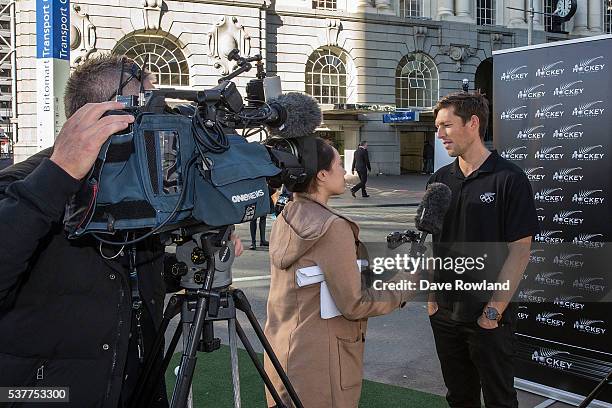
[400, 348]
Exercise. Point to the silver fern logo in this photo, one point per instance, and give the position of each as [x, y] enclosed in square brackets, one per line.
[588, 326]
[514, 74]
[567, 302]
[531, 92]
[550, 70]
[549, 278]
[590, 284]
[567, 175]
[568, 89]
[536, 256]
[552, 359]
[568, 132]
[546, 153]
[549, 112]
[546, 195]
[588, 66]
[512, 153]
[568, 261]
[586, 241]
[550, 319]
[514, 113]
[530, 133]
[586, 110]
[585, 153]
[532, 173]
[531, 295]
[583, 197]
[546, 237]
[565, 218]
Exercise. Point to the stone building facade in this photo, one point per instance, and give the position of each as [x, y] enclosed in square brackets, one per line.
[361, 58]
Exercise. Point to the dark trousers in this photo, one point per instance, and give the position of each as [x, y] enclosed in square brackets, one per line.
[473, 358]
[428, 166]
[363, 179]
[262, 229]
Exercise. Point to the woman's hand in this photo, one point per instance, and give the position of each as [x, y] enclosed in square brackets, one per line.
[238, 248]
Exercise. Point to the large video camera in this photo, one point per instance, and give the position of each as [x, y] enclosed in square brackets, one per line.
[188, 164]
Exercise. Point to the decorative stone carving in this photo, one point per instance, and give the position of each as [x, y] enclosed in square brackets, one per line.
[152, 11]
[458, 53]
[420, 33]
[497, 40]
[363, 4]
[227, 34]
[82, 36]
[333, 31]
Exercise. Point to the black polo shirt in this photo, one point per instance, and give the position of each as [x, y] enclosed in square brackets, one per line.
[493, 205]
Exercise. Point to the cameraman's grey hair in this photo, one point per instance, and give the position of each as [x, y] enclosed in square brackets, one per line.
[96, 80]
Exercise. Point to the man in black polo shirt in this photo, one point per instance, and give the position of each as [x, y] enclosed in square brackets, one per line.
[492, 203]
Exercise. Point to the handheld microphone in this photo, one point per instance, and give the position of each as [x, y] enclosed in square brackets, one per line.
[430, 213]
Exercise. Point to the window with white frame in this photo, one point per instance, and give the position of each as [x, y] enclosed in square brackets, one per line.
[325, 4]
[157, 54]
[485, 12]
[326, 76]
[550, 23]
[416, 82]
[608, 16]
[411, 8]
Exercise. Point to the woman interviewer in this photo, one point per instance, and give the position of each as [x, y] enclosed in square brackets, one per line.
[322, 357]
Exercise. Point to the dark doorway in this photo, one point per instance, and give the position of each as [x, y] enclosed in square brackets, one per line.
[484, 82]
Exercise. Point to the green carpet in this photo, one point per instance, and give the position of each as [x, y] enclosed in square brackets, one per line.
[212, 386]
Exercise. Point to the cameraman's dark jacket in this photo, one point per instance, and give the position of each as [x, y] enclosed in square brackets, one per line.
[65, 312]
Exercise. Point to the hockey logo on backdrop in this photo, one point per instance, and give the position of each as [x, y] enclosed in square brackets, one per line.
[584, 153]
[530, 133]
[567, 175]
[567, 302]
[536, 256]
[549, 278]
[589, 66]
[549, 112]
[532, 92]
[514, 113]
[583, 197]
[512, 153]
[515, 74]
[546, 153]
[550, 319]
[590, 284]
[550, 70]
[533, 174]
[552, 359]
[532, 295]
[587, 110]
[568, 132]
[569, 89]
[568, 260]
[546, 237]
[522, 313]
[586, 241]
[546, 196]
[565, 218]
[590, 326]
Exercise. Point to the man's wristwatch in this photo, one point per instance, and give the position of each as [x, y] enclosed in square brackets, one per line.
[491, 313]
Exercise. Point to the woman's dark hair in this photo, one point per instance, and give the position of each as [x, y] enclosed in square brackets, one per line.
[325, 157]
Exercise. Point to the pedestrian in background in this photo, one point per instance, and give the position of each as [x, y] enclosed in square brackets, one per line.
[361, 163]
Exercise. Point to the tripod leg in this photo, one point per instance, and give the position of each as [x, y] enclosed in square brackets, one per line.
[596, 391]
[259, 366]
[233, 344]
[243, 304]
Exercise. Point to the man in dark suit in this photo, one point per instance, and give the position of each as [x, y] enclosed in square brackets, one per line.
[361, 163]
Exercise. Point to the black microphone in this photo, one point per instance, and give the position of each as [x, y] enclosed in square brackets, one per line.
[430, 213]
[295, 115]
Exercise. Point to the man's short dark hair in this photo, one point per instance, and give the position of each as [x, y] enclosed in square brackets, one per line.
[363, 143]
[465, 105]
[96, 80]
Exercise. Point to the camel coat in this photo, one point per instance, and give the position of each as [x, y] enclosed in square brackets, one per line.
[323, 358]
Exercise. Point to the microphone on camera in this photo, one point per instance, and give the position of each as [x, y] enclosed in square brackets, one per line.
[295, 115]
[430, 213]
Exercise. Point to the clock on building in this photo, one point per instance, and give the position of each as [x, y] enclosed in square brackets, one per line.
[566, 9]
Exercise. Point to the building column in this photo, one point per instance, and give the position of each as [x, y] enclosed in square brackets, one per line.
[362, 5]
[595, 16]
[581, 26]
[446, 9]
[464, 12]
[516, 18]
[538, 19]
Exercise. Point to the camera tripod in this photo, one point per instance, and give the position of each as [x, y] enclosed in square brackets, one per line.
[201, 256]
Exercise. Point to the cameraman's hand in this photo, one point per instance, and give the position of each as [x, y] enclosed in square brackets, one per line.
[78, 143]
[238, 248]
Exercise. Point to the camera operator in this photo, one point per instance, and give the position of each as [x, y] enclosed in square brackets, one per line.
[69, 312]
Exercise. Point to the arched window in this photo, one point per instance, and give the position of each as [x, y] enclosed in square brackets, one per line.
[416, 82]
[159, 55]
[326, 76]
